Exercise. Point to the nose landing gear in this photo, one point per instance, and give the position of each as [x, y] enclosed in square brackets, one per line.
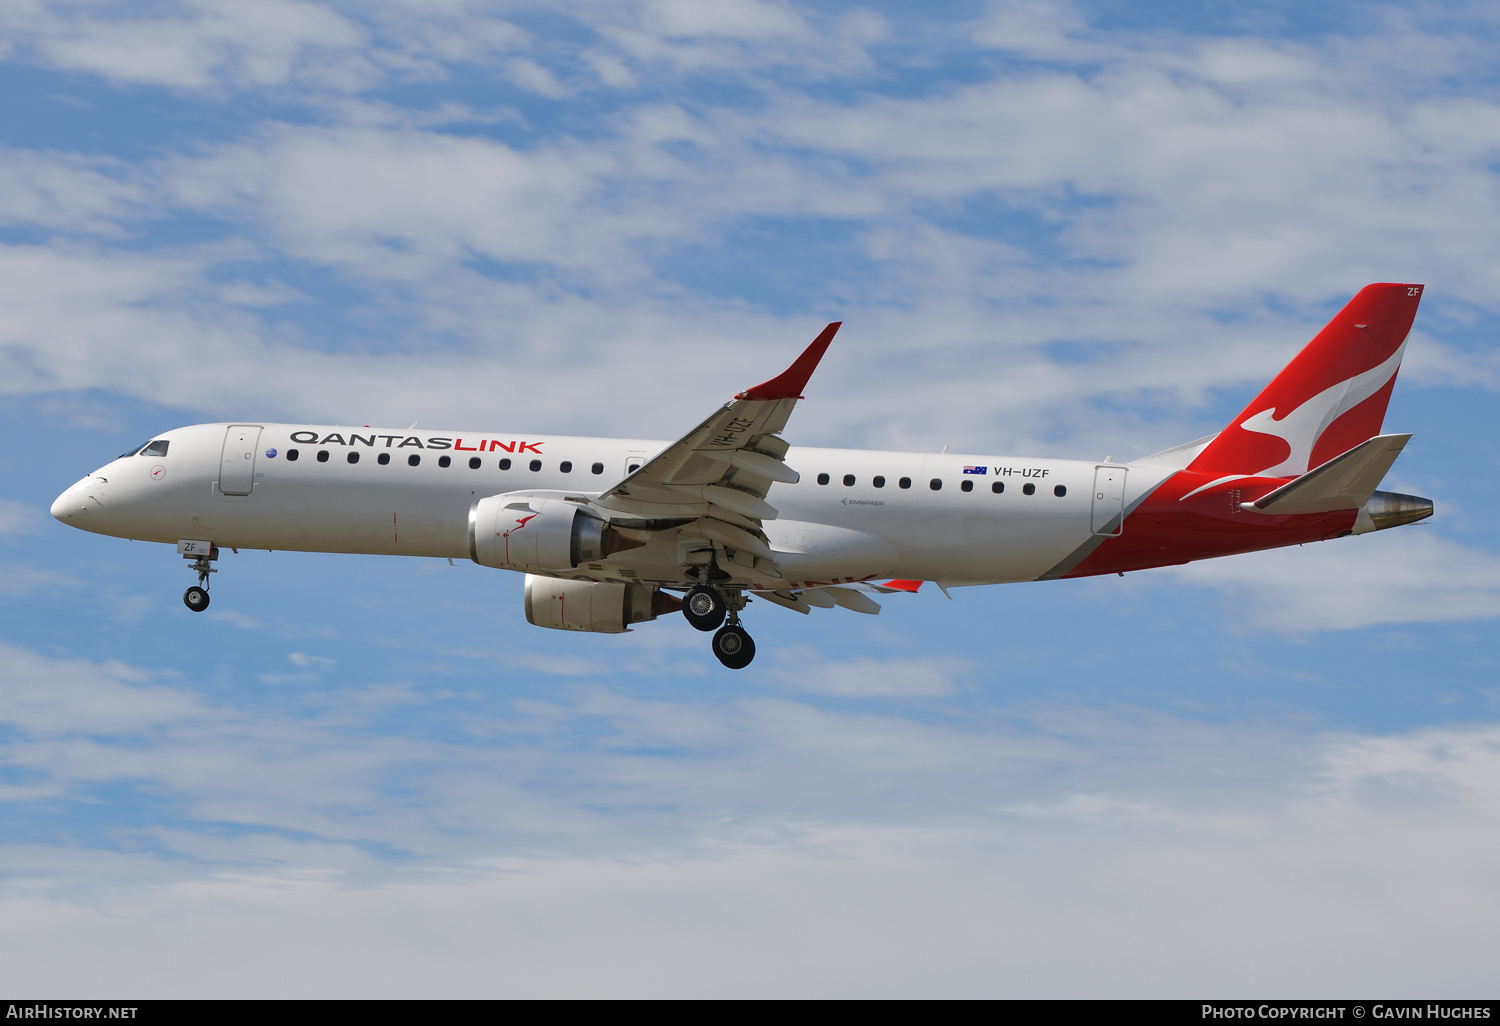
[202, 553]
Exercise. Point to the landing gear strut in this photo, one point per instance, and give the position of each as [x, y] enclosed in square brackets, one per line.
[202, 554]
[706, 608]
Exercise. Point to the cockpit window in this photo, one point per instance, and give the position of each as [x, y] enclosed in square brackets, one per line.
[156, 448]
[132, 452]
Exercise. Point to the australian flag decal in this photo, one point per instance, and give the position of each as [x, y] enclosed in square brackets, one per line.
[975, 470]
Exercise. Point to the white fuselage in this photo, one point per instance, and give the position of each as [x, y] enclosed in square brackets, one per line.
[414, 505]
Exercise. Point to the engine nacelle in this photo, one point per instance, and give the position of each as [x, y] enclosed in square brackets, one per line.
[601, 607]
[519, 531]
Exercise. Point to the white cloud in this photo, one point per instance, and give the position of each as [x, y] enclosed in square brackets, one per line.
[1407, 575]
[68, 192]
[600, 844]
[1217, 173]
[44, 696]
[195, 44]
[802, 670]
[18, 518]
[1432, 362]
[1180, 209]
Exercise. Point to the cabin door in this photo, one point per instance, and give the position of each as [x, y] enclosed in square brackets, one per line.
[237, 465]
[1109, 500]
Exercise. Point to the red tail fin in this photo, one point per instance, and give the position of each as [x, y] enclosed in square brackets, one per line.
[1329, 399]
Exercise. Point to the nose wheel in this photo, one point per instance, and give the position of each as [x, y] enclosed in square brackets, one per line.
[195, 598]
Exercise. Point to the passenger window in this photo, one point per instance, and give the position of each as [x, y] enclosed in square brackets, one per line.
[383, 458]
[156, 448]
[998, 487]
[536, 465]
[352, 457]
[905, 482]
[504, 463]
[291, 455]
[1028, 488]
[848, 480]
[445, 461]
[822, 479]
[968, 485]
[597, 468]
[474, 462]
[878, 481]
[322, 455]
[936, 484]
[632, 468]
[566, 466]
[413, 460]
[1060, 491]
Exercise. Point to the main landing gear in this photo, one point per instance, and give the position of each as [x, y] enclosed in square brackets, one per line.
[706, 608]
[734, 647]
[202, 554]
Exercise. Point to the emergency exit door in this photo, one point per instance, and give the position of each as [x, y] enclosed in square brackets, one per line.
[237, 465]
[1109, 500]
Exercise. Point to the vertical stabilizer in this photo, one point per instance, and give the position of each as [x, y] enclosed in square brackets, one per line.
[1329, 399]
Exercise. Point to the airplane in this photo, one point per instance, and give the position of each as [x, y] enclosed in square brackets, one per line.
[614, 532]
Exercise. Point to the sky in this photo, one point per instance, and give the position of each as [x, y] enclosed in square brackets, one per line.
[1072, 230]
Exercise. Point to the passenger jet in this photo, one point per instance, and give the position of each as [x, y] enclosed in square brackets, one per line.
[612, 532]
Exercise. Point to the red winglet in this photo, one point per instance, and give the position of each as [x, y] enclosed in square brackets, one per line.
[790, 383]
[910, 586]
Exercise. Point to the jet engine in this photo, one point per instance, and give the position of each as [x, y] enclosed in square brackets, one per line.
[602, 607]
[517, 531]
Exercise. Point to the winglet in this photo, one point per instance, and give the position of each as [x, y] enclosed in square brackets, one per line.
[790, 383]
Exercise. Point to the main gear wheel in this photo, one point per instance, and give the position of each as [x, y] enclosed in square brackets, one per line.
[704, 608]
[733, 647]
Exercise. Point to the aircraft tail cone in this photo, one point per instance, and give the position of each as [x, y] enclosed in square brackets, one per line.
[1391, 509]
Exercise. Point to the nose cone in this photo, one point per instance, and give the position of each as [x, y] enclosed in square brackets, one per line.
[72, 505]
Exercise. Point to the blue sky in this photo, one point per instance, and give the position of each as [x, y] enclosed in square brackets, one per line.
[1072, 230]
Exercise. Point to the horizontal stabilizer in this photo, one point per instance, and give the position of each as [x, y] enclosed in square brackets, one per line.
[1344, 482]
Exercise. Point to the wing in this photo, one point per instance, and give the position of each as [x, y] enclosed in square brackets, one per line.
[723, 468]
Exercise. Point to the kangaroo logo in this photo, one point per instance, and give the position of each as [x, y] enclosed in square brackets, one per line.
[519, 524]
[1301, 428]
